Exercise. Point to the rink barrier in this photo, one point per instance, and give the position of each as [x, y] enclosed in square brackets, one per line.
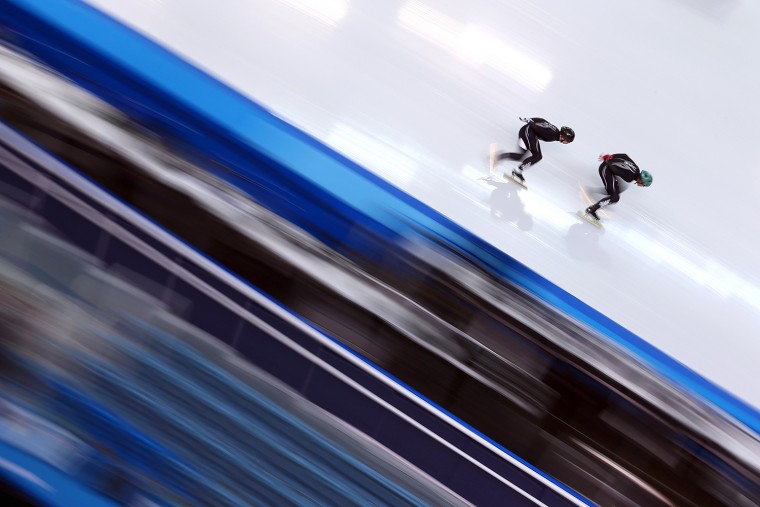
[269, 336]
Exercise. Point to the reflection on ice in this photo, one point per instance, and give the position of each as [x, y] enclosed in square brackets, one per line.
[326, 11]
[704, 271]
[399, 163]
[475, 45]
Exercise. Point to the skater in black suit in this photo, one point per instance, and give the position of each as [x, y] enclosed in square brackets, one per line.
[618, 165]
[535, 130]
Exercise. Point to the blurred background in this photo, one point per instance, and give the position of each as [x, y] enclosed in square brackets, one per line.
[249, 256]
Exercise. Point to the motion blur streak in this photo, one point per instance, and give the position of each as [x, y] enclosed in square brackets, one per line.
[129, 402]
[327, 11]
[399, 166]
[474, 45]
[204, 330]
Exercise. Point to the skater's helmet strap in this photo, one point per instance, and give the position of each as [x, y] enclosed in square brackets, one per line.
[567, 134]
[646, 178]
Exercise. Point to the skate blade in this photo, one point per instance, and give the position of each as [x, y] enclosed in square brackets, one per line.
[511, 178]
[588, 199]
[583, 216]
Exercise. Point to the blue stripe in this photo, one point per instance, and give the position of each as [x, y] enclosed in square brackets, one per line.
[121, 65]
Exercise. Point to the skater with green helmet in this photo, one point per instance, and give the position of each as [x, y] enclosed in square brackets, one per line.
[618, 165]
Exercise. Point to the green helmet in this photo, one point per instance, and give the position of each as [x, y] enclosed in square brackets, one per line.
[646, 178]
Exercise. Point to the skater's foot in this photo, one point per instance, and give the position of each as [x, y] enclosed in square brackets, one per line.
[516, 174]
[591, 211]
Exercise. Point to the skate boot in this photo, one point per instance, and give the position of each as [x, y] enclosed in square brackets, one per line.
[591, 211]
[517, 174]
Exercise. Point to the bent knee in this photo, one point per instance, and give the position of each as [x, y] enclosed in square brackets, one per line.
[536, 158]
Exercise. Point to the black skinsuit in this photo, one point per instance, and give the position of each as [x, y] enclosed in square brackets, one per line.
[535, 129]
[617, 166]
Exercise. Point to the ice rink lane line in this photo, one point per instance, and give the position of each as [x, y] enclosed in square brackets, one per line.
[46, 160]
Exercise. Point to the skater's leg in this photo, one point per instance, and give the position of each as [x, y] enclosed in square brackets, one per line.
[511, 156]
[612, 188]
[521, 147]
[531, 141]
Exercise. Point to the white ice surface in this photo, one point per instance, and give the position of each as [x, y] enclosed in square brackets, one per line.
[416, 90]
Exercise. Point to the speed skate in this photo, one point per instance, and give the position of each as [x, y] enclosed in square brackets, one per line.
[515, 180]
[492, 168]
[584, 216]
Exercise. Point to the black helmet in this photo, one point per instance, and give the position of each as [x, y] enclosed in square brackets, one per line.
[567, 134]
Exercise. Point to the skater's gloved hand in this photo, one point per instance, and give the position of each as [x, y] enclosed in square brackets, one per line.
[526, 120]
[604, 156]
